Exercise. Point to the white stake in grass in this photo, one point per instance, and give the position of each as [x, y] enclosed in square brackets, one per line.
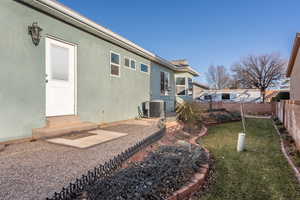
[242, 136]
[241, 142]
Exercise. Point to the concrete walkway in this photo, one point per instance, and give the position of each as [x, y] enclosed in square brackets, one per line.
[35, 170]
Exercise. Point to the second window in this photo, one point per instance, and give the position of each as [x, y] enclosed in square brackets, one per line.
[114, 64]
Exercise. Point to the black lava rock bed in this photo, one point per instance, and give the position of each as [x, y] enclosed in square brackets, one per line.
[158, 176]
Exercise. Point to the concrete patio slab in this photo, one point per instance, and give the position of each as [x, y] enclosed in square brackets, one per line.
[98, 136]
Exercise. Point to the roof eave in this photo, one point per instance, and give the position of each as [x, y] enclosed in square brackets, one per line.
[201, 85]
[66, 14]
[189, 70]
[293, 55]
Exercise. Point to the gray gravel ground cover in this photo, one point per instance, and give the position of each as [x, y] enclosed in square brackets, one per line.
[173, 167]
[35, 170]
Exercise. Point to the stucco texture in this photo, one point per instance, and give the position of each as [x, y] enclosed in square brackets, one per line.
[155, 86]
[100, 97]
[289, 114]
[294, 79]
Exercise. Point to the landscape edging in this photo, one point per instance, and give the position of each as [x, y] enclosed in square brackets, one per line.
[198, 179]
[291, 163]
[218, 123]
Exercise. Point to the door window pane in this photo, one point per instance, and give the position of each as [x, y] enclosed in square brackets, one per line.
[59, 63]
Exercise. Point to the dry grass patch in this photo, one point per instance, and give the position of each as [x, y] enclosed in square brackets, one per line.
[259, 173]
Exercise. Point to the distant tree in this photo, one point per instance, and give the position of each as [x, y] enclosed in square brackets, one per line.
[234, 82]
[262, 71]
[218, 77]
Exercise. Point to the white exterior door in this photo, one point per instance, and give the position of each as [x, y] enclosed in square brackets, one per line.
[60, 78]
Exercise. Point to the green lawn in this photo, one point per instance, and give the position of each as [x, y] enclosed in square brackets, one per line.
[259, 173]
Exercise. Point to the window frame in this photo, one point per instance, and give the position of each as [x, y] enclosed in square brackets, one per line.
[166, 92]
[118, 65]
[185, 86]
[209, 97]
[188, 87]
[224, 95]
[125, 57]
[148, 72]
[134, 64]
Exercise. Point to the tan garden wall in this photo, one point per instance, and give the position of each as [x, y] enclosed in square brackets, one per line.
[249, 108]
[288, 112]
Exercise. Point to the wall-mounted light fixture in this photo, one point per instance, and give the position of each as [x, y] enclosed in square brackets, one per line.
[35, 31]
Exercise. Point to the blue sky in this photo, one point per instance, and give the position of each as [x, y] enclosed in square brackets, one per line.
[205, 32]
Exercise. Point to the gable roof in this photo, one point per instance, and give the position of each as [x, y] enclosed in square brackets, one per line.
[201, 85]
[183, 64]
[60, 11]
[293, 55]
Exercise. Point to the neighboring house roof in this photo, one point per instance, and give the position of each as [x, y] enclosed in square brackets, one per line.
[183, 65]
[201, 85]
[189, 70]
[234, 90]
[293, 55]
[68, 15]
[180, 62]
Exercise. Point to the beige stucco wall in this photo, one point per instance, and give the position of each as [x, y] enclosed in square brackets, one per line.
[249, 108]
[197, 91]
[295, 80]
[288, 112]
[155, 86]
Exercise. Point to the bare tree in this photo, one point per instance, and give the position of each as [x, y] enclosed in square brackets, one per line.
[234, 82]
[262, 71]
[218, 77]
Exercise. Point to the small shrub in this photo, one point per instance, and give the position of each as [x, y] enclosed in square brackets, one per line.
[275, 119]
[297, 157]
[282, 129]
[190, 114]
[220, 117]
[288, 138]
[223, 118]
[298, 153]
[212, 115]
[235, 115]
[217, 110]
